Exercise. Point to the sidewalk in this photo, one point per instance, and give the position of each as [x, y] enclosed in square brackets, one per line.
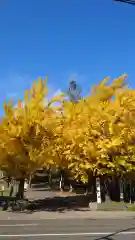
[67, 215]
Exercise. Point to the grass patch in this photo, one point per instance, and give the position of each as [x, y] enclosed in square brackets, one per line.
[131, 207]
[112, 206]
[116, 206]
[4, 193]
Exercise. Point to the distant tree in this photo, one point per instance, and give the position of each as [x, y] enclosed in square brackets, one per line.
[73, 92]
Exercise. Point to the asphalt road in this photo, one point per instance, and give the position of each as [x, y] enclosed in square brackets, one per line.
[68, 229]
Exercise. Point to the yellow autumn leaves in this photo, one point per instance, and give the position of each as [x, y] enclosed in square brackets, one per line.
[95, 135]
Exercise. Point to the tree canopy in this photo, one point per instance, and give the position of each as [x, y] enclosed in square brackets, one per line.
[94, 135]
[27, 131]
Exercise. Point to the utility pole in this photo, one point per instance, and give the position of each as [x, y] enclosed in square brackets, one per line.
[132, 2]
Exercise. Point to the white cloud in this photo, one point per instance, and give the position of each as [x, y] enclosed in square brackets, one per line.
[58, 92]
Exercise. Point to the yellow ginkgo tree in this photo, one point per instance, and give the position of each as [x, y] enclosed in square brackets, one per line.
[86, 126]
[92, 137]
[26, 133]
[92, 133]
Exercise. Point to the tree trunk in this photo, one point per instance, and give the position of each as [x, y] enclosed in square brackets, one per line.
[20, 193]
[118, 189]
[130, 190]
[115, 189]
[8, 182]
[11, 191]
[126, 191]
[11, 185]
[107, 190]
[30, 178]
[50, 180]
[89, 187]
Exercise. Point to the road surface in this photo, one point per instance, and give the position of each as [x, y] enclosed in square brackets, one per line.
[68, 229]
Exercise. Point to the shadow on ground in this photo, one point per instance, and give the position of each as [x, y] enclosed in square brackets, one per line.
[61, 204]
[55, 204]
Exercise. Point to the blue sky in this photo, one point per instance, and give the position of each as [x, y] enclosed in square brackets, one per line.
[64, 39]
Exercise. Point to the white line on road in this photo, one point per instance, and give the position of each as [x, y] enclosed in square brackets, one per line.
[19, 225]
[65, 234]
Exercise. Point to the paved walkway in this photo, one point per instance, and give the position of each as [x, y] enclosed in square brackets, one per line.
[42, 193]
[33, 194]
[67, 215]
